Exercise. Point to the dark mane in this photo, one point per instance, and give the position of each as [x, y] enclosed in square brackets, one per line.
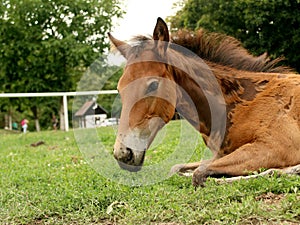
[220, 49]
[227, 51]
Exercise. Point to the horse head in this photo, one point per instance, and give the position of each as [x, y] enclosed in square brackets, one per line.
[148, 95]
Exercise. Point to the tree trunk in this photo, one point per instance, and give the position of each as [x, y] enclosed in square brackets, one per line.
[6, 121]
[37, 125]
[61, 116]
[9, 125]
[10, 121]
[34, 110]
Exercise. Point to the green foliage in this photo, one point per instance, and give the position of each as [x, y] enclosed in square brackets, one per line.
[262, 26]
[46, 45]
[53, 184]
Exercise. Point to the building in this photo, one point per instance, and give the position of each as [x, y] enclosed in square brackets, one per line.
[90, 115]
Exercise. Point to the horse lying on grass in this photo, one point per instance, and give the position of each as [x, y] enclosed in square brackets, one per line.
[246, 108]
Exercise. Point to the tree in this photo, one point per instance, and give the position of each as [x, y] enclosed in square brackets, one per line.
[46, 45]
[101, 75]
[271, 26]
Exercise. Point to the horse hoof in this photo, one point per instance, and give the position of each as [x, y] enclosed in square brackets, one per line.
[175, 169]
[199, 178]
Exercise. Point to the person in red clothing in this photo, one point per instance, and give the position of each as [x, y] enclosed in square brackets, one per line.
[24, 124]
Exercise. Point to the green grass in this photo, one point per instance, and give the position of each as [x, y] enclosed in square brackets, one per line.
[53, 184]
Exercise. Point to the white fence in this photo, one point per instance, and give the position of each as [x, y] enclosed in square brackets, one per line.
[58, 94]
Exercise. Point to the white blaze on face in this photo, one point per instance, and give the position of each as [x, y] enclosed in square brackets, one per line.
[134, 141]
[140, 139]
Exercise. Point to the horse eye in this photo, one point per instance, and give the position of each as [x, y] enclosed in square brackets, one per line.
[152, 87]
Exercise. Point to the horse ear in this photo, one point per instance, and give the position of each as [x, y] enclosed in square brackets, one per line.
[161, 31]
[122, 46]
[161, 35]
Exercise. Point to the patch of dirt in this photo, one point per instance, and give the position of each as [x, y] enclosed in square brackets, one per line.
[76, 159]
[37, 143]
[270, 198]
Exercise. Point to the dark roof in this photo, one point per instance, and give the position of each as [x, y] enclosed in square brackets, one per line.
[89, 108]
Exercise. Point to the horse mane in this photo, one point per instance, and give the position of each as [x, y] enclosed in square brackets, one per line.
[220, 49]
[227, 51]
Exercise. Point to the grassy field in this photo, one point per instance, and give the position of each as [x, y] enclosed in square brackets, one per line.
[54, 184]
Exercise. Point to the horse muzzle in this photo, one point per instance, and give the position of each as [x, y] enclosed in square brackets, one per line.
[130, 146]
[129, 159]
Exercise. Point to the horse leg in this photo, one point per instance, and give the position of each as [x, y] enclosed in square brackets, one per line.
[248, 158]
[182, 168]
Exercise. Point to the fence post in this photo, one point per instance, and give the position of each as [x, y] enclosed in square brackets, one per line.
[66, 118]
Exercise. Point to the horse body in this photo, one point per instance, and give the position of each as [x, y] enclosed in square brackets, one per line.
[256, 102]
[269, 105]
[263, 128]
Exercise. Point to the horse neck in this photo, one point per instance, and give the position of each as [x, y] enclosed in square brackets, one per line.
[192, 103]
[216, 95]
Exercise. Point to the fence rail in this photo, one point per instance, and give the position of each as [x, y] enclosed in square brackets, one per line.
[58, 94]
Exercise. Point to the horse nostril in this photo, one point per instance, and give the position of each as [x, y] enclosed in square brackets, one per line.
[129, 154]
[124, 154]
